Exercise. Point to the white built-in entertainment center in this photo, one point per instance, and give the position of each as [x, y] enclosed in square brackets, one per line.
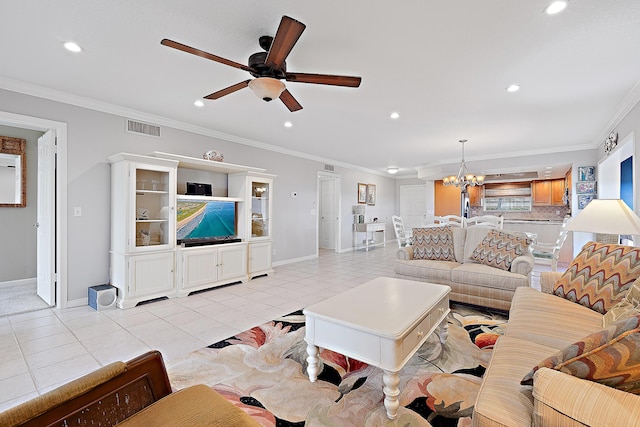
[147, 262]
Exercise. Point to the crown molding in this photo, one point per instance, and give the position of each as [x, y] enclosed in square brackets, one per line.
[104, 107]
[625, 107]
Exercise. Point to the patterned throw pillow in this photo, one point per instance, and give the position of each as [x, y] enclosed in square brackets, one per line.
[600, 276]
[434, 243]
[499, 249]
[610, 357]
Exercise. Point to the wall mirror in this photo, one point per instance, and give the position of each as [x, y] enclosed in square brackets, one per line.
[13, 172]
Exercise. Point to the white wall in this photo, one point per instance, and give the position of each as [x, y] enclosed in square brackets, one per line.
[94, 135]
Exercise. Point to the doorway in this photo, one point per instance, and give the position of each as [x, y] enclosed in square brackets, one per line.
[413, 205]
[52, 247]
[328, 228]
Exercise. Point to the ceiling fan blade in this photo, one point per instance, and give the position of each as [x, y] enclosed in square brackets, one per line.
[227, 91]
[288, 33]
[324, 79]
[288, 100]
[203, 54]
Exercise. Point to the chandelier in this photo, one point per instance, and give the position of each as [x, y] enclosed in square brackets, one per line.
[464, 178]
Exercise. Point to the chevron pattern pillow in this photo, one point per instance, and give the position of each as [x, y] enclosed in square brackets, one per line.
[435, 243]
[600, 276]
[610, 356]
[499, 249]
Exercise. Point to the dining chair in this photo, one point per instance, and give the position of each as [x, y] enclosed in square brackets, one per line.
[548, 253]
[402, 236]
[492, 221]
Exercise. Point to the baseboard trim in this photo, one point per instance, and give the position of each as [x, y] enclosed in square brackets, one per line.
[294, 260]
[77, 302]
[20, 282]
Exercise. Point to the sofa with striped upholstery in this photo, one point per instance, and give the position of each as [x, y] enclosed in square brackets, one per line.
[570, 354]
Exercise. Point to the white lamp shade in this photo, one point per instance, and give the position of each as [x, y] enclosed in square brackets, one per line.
[267, 88]
[606, 216]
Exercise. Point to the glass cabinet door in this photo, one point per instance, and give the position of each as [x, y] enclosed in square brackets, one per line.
[152, 207]
[260, 209]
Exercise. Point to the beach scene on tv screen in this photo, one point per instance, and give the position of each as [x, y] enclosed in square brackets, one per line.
[200, 219]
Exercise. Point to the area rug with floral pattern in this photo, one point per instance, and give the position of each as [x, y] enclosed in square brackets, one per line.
[263, 371]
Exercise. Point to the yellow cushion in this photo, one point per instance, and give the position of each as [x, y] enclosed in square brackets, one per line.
[197, 405]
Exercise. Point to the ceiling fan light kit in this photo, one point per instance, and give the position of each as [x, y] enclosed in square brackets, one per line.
[269, 67]
[267, 88]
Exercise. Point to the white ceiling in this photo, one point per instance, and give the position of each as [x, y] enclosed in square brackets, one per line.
[443, 65]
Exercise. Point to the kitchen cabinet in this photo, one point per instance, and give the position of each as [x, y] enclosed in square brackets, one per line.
[475, 195]
[557, 192]
[541, 193]
[548, 192]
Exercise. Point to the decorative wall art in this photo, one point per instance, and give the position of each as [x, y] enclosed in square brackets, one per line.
[611, 142]
[584, 199]
[371, 194]
[586, 187]
[586, 173]
[362, 193]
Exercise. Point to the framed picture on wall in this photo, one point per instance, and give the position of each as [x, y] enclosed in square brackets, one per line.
[371, 194]
[584, 199]
[362, 193]
[586, 173]
[586, 187]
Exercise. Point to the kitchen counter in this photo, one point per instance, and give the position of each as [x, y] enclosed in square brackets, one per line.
[533, 221]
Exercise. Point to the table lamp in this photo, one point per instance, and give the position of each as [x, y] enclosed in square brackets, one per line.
[606, 216]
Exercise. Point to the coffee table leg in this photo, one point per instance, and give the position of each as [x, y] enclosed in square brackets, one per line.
[444, 330]
[312, 362]
[391, 392]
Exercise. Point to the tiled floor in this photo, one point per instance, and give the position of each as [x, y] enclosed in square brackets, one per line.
[43, 349]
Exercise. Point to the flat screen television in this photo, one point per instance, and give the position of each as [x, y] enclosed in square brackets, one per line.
[201, 221]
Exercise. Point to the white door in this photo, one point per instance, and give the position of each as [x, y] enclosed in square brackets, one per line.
[46, 287]
[328, 214]
[413, 205]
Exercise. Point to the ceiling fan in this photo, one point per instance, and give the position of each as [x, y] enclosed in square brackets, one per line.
[269, 67]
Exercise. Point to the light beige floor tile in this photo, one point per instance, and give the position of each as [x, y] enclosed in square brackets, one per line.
[55, 355]
[30, 334]
[48, 342]
[59, 373]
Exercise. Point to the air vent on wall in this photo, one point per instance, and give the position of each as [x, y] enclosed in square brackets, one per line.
[143, 128]
[328, 168]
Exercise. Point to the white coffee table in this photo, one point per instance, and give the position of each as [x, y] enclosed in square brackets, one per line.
[381, 322]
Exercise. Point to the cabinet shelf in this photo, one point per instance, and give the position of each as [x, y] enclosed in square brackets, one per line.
[206, 165]
[140, 221]
[143, 192]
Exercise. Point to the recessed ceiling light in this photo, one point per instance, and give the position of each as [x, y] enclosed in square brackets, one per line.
[513, 88]
[394, 115]
[548, 167]
[198, 103]
[288, 124]
[392, 170]
[556, 7]
[72, 47]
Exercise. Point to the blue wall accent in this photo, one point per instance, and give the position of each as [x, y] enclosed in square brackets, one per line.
[626, 181]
